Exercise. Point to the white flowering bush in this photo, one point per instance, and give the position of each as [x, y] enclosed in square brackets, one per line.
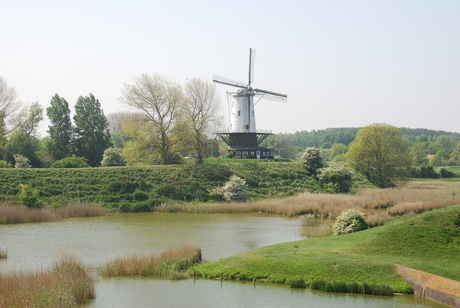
[349, 221]
[235, 189]
[113, 157]
[312, 159]
[21, 161]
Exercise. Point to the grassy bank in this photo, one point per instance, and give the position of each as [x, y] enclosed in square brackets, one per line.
[12, 213]
[140, 188]
[379, 205]
[429, 242]
[68, 284]
[171, 263]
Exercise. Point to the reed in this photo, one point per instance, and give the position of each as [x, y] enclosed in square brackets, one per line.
[68, 284]
[171, 263]
[379, 205]
[11, 213]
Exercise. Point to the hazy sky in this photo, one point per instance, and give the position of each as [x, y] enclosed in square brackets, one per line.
[341, 63]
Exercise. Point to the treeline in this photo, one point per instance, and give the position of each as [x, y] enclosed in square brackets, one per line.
[169, 121]
[427, 147]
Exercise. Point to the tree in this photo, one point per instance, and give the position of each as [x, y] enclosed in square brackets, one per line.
[312, 160]
[380, 153]
[30, 118]
[9, 105]
[200, 111]
[91, 129]
[159, 101]
[282, 146]
[61, 129]
[20, 143]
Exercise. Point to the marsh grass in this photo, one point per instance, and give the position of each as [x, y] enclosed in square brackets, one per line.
[379, 205]
[12, 213]
[171, 263]
[68, 284]
[353, 287]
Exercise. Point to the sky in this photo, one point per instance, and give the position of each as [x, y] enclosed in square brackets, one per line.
[341, 63]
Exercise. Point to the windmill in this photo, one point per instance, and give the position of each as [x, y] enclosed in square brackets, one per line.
[243, 139]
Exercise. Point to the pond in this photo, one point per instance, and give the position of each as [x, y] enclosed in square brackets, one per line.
[32, 247]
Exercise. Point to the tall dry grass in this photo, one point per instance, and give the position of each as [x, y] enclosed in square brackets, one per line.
[171, 263]
[378, 204]
[11, 213]
[68, 284]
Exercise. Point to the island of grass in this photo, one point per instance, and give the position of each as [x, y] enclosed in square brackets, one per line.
[429, 242]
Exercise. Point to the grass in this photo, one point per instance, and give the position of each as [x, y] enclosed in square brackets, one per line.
[3, 254]
[171, 263]
[68, 284]
[379, 205]
[428, 242]
[12, 213]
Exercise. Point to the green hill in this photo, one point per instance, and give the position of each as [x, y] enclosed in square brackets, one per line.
[428, 242]
[140, 188]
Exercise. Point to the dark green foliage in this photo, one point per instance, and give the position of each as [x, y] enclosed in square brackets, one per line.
[335, 178]
[20, 143]
[92, 136]
[71, 162]
[298, 284]
[140, 195]
[60, 130]
[445, 173]
[424, 172]
[353, 287]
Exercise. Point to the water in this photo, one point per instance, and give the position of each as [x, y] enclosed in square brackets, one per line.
[36, 246]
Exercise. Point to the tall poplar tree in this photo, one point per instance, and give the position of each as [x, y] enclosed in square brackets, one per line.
[92, 135]
[60, 130]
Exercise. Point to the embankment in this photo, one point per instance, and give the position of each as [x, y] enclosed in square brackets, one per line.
[432, 287]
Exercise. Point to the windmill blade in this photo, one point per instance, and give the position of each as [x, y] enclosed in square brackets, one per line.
[252, 60]
[270, 93]
[275, 98]
[228, 82]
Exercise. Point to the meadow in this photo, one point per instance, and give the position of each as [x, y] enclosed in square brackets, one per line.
[356, 262]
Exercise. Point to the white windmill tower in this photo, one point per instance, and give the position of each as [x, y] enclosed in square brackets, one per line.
[243, 139]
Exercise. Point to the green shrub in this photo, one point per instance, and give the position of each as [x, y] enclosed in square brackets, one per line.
[445, 173]
[349, 221]
[71, 162]
[335, 178]
[30, 197]
[5, 164]
[139, 195]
